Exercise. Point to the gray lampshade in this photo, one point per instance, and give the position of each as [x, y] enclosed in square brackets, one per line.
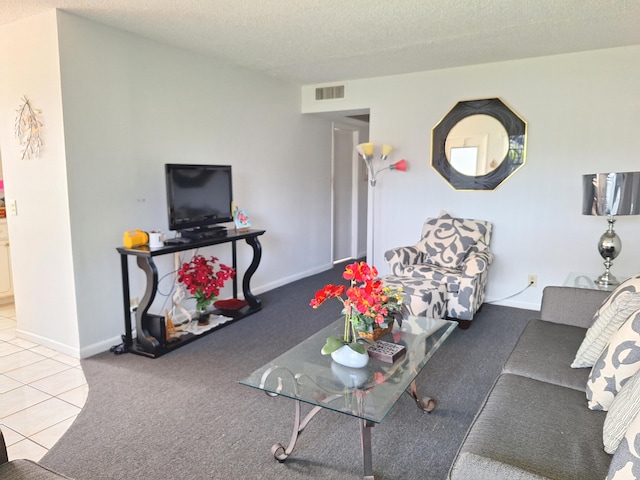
[609, 194]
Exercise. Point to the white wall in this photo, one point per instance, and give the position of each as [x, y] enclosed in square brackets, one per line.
[582, 114]
[130, 105]
[41, 243]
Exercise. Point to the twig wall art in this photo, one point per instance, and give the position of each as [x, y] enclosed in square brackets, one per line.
[27, 129]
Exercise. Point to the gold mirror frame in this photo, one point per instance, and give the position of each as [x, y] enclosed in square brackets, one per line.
[515, 127]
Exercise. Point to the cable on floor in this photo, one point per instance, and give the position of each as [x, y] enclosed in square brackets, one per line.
[513, 295]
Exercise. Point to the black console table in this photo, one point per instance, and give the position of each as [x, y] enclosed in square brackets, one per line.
[151, 329]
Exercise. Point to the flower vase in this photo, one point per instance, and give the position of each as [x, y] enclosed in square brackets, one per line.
[203, 318]
[348, 357]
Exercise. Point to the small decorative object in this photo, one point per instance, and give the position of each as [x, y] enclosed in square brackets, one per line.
[27, 129]
[200, 278]
[386, 351]
[377, 331]
[171, 330]
[368, 305]
[3, 212]
[230, 307]
[241, 219]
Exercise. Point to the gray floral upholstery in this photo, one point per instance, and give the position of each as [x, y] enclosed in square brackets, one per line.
[619, 361]
[447, 241]
[615, 310]
[625, 464]
[453, 252]
[422, 298]
[624, 408]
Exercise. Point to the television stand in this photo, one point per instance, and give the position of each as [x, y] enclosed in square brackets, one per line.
[204, 232]
[151, 339]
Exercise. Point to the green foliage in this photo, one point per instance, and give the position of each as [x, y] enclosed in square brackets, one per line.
[334, 343]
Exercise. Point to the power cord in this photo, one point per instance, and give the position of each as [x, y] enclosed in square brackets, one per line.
[529, 285]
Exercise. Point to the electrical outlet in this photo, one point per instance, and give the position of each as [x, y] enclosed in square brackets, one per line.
[533, 280]
[133, 304]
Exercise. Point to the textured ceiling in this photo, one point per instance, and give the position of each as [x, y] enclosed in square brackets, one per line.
[321, 41]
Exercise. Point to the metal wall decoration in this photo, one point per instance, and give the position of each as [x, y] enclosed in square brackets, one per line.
[27, 129]
[500, 166]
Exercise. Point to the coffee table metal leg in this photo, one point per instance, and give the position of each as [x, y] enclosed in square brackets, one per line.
[365, 439]
[279, 451]
[425, 403]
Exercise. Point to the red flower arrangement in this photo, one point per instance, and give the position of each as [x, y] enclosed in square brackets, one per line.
[367, 303]
[202, 280]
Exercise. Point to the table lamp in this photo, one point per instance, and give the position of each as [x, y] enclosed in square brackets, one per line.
[610, 194]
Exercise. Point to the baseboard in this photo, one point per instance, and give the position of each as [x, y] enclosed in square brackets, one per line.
[286, 280]
[47, 342]
[100, 347]
[517, 304]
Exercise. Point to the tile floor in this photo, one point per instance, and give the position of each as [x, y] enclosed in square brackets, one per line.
[41, 392]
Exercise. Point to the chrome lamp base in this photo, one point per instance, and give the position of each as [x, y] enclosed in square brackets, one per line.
[607, 278]
[609, 247]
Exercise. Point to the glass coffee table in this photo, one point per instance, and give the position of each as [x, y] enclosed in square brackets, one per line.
[367, 393]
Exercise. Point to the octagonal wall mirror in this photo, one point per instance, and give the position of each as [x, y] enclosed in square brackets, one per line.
[478, 144]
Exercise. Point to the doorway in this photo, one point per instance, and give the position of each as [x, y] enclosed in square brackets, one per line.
[349, 194]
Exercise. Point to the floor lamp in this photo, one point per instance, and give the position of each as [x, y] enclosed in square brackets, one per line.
[610, 194]
[365, 150]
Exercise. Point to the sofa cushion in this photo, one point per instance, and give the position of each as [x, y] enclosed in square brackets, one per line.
[622, 302]
[528, 429]
[623, 410]
[617, 364]
[571, 305]
[544, 352]
[625, 464]
[448, 241]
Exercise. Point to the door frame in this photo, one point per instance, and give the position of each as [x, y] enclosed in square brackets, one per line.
[355, 175]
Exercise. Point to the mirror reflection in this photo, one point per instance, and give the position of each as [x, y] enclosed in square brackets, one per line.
[477, 145]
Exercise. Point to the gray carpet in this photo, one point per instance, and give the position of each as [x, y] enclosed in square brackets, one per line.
[184, 416]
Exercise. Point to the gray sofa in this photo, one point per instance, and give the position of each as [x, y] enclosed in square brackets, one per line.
[23, 469]
[535, 424]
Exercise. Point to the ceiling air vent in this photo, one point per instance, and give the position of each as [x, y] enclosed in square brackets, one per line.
[330, 93]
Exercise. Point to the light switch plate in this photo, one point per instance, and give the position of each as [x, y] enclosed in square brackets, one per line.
[12, 207]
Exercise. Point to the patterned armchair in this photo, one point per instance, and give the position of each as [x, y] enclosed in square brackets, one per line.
[452, 251]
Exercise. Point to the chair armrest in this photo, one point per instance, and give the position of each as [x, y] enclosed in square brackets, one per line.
[476, 263]
[4, 458]
[398, 257]
[571, 305]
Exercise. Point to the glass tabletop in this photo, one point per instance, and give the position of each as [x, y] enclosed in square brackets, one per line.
[586, 280]
[369, 393]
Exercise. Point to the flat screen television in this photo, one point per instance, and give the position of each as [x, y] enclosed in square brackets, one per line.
[198, 196]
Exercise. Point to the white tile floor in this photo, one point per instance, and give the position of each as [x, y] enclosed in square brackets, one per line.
[41, 392]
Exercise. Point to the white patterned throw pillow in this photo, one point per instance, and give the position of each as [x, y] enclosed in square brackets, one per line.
[623, 409]
[619, 361]
[622, 302]
[625, 464]
[449, 239]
